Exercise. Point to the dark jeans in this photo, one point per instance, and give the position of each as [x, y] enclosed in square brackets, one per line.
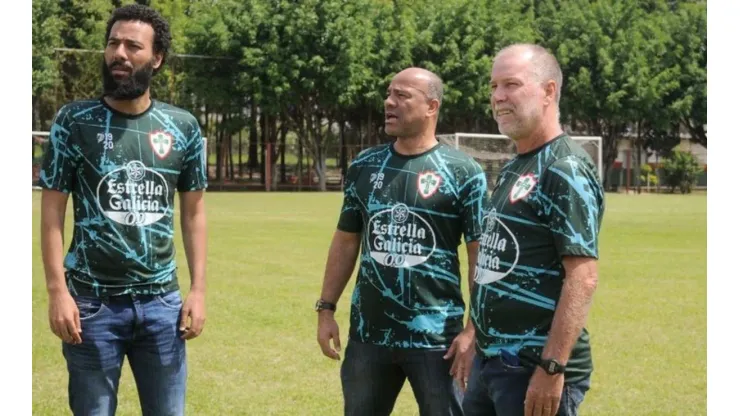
[142, 328]
[372, 377]
[496, 388]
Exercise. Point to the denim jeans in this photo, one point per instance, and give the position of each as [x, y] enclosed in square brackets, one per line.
[145, 330]
[372, 377]
[496, 388]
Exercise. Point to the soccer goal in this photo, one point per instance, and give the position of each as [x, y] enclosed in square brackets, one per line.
[492, 151]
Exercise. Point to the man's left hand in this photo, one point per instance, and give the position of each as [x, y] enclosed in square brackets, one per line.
[195, 309]
[463, 350]
[543, 394]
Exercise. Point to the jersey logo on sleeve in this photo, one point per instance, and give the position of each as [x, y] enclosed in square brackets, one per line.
[428, 182]
[161, 143]
[522, 187]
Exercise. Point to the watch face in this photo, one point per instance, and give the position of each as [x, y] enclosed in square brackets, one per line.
[552, 367]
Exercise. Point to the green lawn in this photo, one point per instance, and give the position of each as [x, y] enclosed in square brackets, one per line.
[258, 354]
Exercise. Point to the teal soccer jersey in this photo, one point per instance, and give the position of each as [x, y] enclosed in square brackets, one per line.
[123, 172]
[546, 204]
[412, 213]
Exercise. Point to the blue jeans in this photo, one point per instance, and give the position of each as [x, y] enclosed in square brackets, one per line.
[142, 328]
[372, 377]
[496, 388]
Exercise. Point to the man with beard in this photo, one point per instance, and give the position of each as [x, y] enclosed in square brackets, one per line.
[116, 294]
[407, 204]
[537, 262]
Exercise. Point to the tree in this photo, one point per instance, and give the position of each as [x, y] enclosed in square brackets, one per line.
[681, 171]
[46, 27]
[595, 43]
[688, 52]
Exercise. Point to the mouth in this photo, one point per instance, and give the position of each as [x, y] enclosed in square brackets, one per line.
[501, 113]
[390, 117]
[120, 71]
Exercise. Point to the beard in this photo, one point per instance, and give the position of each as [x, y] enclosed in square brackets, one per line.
[128, 88]
[526, 118]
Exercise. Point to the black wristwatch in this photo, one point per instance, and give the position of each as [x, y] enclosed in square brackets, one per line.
[552, 367]
[321, 305]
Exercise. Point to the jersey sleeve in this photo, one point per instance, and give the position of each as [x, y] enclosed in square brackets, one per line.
[574, 207]
[473, 195]
[193, 175]
[350, 218]
[59, 164]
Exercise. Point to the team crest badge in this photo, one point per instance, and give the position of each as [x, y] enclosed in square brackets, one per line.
[161, 142]
[522, 187]
[428, 183]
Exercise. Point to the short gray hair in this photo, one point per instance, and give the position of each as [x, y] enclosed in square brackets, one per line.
[435, 87]
[545, 65]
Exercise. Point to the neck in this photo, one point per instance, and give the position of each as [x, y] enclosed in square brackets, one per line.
[540, 136]
[136, 106]
[414, 145]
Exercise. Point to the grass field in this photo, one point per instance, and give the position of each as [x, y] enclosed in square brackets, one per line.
[258, 354]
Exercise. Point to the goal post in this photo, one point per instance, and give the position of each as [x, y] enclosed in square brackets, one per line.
[493, 151]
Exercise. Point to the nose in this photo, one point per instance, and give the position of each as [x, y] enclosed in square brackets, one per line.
[119, 53]
[389, 102]
[497, 95]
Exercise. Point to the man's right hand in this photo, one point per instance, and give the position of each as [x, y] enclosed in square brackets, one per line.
[328, 330]
[64, 317]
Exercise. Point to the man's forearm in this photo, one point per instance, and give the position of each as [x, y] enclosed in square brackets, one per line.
[194, 240]
[339, 266]
[472, 261]
[572, 310]
[52, 240]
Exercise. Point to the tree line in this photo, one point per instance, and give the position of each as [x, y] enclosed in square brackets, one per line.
[314, 72]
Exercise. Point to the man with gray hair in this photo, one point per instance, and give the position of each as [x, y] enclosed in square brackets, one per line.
[536, 268]
[407, 205]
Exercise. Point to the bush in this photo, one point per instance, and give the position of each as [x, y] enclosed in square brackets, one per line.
[647, 177]
[681, 171]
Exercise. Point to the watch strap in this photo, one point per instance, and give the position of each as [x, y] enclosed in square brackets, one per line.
[322, 304]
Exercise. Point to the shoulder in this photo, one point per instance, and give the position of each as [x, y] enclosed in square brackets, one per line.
[74, 110]
[457, 158]
[573, 173]
[566, 151]
[175, 113]
[369, 155]
[462, 166]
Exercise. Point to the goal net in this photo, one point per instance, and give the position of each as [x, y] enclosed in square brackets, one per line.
[492, 151]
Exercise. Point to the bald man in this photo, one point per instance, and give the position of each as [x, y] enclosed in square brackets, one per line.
[407, 205]
[536, 271]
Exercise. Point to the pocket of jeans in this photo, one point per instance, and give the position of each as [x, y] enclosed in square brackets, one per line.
[512, 367]
[89, 307]
[172, 300]
[574, 395]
